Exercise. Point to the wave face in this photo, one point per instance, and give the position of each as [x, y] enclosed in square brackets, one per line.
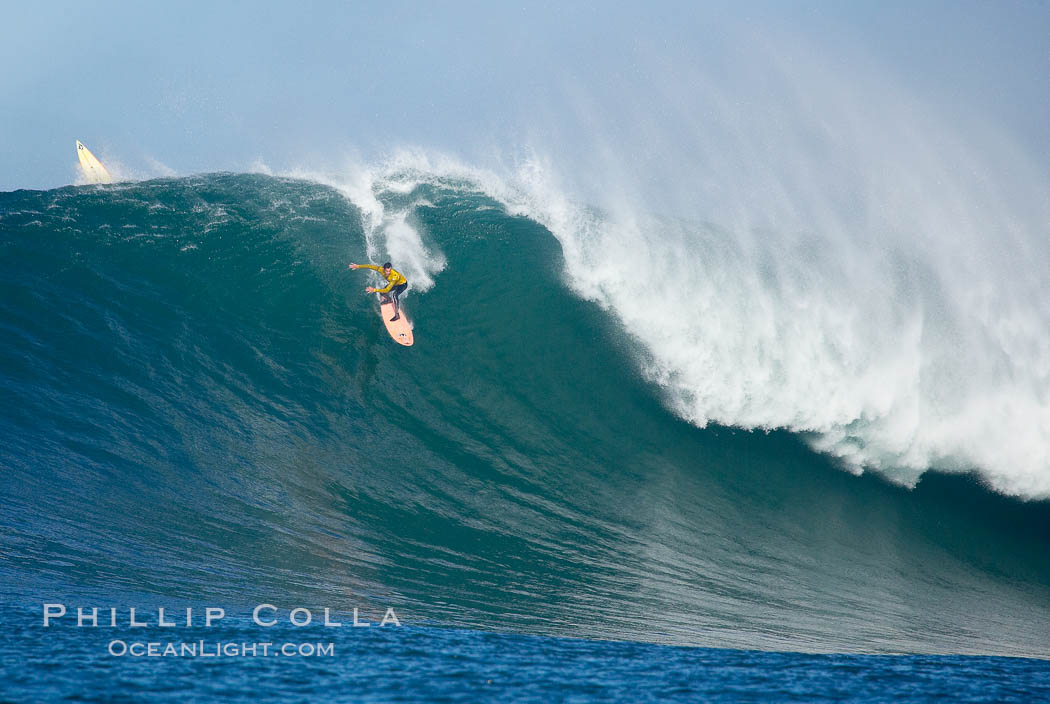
[197, 400]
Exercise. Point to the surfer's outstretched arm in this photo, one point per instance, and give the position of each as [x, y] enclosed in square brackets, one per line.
[373, 267]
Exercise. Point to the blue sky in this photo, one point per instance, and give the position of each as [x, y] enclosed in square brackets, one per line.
[217, 86]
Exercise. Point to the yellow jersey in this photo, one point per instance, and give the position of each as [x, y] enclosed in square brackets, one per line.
[396, 278]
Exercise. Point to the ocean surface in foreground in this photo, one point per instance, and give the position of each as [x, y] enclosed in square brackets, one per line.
[414, 664]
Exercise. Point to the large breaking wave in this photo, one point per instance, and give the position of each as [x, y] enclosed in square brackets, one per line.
[199, 401]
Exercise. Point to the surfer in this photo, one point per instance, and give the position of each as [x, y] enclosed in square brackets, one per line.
[396, 286]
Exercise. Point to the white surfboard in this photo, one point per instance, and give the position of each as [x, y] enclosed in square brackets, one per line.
[93, 169]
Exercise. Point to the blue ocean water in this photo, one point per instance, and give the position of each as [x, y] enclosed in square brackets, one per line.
[238, 661]
[198, 404]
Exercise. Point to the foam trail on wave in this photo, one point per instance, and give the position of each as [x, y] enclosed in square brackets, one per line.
[389, 232]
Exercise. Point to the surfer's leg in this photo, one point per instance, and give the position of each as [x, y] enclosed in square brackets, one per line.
[395, 295]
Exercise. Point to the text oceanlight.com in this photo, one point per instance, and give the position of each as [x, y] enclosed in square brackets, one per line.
[204, 649]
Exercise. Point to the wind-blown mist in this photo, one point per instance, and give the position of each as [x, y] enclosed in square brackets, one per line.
[798, 244]
[805, 247]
